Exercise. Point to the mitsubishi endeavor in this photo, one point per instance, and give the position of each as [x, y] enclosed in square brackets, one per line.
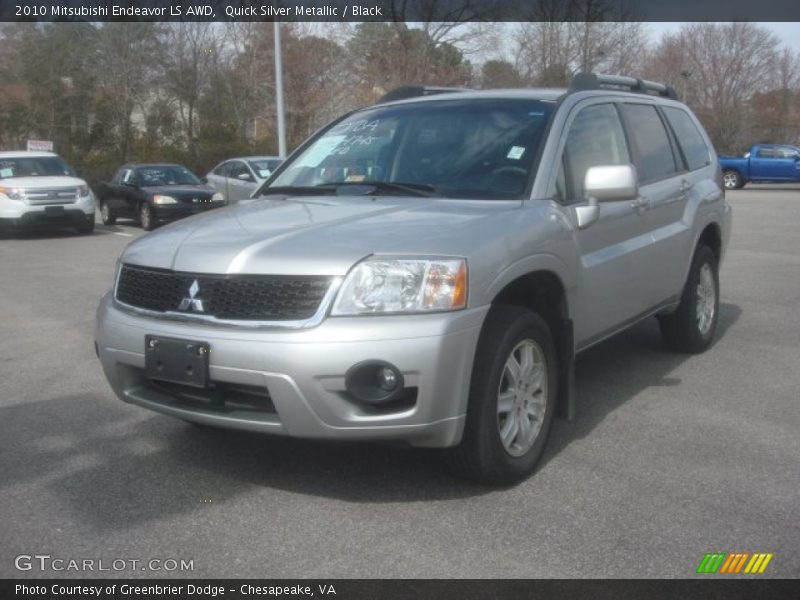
[425, 270]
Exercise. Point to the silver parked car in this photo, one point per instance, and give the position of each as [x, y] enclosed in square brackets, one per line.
[425, 270]
[238, 178]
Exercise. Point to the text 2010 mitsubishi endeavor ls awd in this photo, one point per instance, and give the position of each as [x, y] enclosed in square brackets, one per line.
[425, 270]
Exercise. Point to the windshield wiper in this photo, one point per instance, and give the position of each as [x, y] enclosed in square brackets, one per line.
[368, 187]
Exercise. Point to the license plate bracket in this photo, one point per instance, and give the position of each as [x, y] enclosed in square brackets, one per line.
[176, 360]
[54, 211]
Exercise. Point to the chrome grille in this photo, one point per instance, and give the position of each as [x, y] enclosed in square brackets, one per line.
[65, 195]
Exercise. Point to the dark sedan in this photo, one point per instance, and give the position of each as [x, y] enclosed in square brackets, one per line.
[153, 193]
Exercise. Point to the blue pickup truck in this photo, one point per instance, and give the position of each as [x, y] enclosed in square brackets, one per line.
[764, 163]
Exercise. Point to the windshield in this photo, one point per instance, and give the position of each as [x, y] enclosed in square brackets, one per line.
[166, 175]
[264, 167]
[34, 166]
[459, 148]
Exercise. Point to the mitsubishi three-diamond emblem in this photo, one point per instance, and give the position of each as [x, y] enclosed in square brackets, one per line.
[192, 303]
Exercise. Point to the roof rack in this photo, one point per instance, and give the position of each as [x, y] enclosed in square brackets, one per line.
[592, 81]
[414, 91]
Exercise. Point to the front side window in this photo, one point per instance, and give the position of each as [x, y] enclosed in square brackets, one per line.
[595, 138]
[654, 157]
[767, 153]
[689, 138]
[462, 149]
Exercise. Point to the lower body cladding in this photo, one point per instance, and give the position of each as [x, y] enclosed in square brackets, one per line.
[300, 382]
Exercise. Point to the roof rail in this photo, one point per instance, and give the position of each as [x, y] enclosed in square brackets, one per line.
[414, 91]
[592, 81]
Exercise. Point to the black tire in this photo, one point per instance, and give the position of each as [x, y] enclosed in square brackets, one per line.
[146, 217]
[685, 330]
[87, 227]
[481, 455]
[106, 214]
[731, 180]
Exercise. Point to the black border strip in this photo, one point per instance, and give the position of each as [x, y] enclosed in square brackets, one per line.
[399, 10]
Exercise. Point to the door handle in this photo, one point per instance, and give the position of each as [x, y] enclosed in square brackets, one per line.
[685, 186]
[641, 203]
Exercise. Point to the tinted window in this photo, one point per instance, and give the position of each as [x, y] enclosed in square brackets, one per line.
[265, 167]
[595, 138]
[654, 158]
[689, 138]
[466, 149]
[222, 170]
[238, 169]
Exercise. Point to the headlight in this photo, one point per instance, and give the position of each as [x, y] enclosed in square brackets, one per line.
[217, 197]
[13, 193]
[159, 199]
[382, 285]
[82, 190]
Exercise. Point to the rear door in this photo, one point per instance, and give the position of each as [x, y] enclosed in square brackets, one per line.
[665, 185]
[241, 182]
[614, 250]
[764, 164]
[218, 178]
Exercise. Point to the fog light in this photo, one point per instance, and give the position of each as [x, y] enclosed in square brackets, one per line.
[374, 382]
[387, 378]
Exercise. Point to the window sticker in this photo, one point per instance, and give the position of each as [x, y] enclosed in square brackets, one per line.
[264, 173]
[6, 172]
[515, 153]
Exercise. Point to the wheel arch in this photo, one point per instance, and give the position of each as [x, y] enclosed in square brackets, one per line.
[544, 292]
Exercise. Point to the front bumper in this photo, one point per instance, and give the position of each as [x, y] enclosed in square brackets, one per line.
[20, 215]
[303, 373]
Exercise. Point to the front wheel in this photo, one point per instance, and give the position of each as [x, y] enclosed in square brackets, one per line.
[511, 399]
[732, 180]
[691, 328]
[106, 216]
[87, 227]
[146, 218]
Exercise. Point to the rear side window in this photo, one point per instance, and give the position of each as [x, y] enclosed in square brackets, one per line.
[689, 138]
[595, 138]
[222, 170]
[654, 158]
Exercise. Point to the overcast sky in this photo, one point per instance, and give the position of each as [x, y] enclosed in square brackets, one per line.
[788, 32]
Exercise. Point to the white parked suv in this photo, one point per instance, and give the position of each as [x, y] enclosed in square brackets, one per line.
[39, 189]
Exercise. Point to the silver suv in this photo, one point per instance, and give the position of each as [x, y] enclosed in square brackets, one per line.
[426, 269]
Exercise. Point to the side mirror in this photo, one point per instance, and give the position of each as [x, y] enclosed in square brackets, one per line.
[606, 184]
[204, 179]
[245, 177]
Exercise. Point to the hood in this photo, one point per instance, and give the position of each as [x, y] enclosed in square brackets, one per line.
[181, 192]
[44, 182]
[316, 236]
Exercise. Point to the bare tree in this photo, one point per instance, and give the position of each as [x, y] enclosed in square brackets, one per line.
[718, 68]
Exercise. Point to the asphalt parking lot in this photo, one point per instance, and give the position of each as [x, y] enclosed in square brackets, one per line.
[669, 456]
